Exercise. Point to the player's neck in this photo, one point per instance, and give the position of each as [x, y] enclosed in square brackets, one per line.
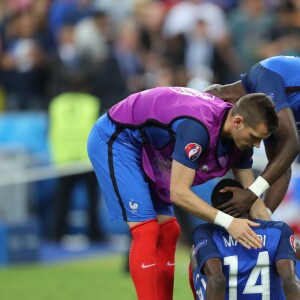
[227, 127]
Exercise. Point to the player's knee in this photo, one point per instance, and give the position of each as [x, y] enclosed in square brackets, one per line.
[217, 281]
[147, 232]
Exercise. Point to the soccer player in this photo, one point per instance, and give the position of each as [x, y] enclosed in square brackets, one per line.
[148, 151]
[223, 269]
[279, 78]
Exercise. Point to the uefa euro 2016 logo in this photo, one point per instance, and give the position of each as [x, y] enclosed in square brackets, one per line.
[193, 151]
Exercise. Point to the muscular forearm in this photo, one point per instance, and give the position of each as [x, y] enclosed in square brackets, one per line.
[280, 164]
[182, 195]
[190, 202]
[291, 289]
[283, 149]
[259, 211]
[275, 194]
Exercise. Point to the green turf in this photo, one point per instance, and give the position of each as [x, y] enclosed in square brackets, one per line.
[95, 278]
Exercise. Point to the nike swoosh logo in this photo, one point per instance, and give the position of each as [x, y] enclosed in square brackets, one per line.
[147, 266]
[170, 264]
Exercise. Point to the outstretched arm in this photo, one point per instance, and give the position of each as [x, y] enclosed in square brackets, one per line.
[182, 178]
[275, 194]
[281, 153]
[290, 282]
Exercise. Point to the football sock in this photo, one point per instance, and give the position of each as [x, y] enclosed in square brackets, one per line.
[142, 263]
[191, 280]
[165, 258]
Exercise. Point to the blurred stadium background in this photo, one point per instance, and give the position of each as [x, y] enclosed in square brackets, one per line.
[106, 49]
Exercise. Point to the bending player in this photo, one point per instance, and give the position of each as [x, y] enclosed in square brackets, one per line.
[152, 147]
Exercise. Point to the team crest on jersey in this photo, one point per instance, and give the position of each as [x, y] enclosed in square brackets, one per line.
[292, 241]
[133, 206]
[193, 151]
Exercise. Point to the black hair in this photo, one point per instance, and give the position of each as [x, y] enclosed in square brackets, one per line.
[218, 198]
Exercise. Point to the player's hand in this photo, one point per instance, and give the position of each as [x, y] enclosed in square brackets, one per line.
[240, 203]
[241, 231]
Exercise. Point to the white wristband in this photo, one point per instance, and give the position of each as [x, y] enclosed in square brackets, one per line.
[259, 186]
[223, 219]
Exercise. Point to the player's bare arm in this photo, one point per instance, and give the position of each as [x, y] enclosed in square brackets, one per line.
[246, 177]
[229, 92]
[290, 282]
[216, 281]
[281, 153]
[181, 194]
[280, 156]
[286, 149]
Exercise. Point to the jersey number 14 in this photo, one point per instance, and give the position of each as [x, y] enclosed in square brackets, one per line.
[261, 268]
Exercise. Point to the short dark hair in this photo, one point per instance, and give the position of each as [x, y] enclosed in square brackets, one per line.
[218, 198]
[257, 108]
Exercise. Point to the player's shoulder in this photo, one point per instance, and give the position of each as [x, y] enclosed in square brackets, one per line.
[188, 122]
[207, 228]
[280, 225]
[193, 128]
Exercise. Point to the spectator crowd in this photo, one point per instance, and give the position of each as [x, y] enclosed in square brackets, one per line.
[121, 47]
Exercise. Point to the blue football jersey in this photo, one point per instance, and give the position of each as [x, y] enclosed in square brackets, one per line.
[185, 131]
[279, 78]
[251, 273]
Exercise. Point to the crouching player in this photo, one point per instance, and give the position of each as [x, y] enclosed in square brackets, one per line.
[223, 269]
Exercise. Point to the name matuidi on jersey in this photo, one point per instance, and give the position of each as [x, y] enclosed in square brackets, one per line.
[229, 241]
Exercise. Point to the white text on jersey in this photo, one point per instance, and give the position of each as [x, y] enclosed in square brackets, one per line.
[232, 242]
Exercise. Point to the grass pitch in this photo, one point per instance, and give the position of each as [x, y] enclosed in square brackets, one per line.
[95, 278]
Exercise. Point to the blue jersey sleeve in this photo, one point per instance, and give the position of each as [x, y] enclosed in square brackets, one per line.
[262, 80]
[205, 247]
[192, 139]
[286, 245]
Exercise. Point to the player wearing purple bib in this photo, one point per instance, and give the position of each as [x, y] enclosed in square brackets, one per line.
[279, 78]
[148, 151]
[222, 269]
